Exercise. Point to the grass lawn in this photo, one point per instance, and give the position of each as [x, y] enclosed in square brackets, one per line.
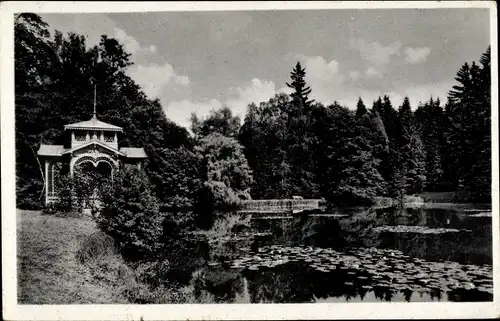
[48, 271]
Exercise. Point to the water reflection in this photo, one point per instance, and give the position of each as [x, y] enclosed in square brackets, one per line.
[297, 281]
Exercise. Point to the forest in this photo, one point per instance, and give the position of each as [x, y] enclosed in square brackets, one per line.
[286, 146]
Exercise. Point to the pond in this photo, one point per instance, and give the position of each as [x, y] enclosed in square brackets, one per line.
[438, 252]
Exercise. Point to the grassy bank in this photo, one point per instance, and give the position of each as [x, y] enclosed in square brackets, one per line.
[68, 260]
[50, 271]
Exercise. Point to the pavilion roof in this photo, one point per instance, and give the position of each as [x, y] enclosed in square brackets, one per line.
[51, 150]
[94, 123]
[134, 152]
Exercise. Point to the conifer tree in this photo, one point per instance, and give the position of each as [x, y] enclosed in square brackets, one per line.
[360, 108]
[298, 84]
[410, 162]
[468, 136]
[430, 119]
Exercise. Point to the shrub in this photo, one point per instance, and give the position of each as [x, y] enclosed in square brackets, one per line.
[227, 224]
[152, 273]
[95, 247]
[130, 214]
[225, 170]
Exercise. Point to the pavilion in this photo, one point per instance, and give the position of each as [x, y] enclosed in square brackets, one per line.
[92, 142]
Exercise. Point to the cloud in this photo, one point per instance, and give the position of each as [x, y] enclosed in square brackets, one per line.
[322, 76]
[372, 72]
[240, 97]
[416, 55]
[153, 78]
[130, 44]
[354, 75]
[180, 111]
[374, 52]
[256, 92]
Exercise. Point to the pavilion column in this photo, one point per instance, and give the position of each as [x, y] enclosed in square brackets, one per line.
[46, 182]
[71, 168]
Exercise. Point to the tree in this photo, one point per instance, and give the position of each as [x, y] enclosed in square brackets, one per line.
[468, 136]
[130, 214]
[410, 161]
[349, 172]
[33, 70]
[219, 121]
[298, 84]
[389, 117]
[176, 175]
[264, 137]
[429, 117]
[227, 176]
[360, 108]
[297, 136]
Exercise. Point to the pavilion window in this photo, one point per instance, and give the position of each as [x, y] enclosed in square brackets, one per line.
[80, 137]
[109, 137]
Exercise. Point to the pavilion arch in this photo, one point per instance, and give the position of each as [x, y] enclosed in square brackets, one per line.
[95, 161]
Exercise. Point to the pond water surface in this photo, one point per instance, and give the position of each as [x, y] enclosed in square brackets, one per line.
[438, 252]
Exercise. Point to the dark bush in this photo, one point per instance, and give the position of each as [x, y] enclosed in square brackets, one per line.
[96, 246]
[130, 214]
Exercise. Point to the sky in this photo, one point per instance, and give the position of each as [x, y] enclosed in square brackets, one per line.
[200, 61]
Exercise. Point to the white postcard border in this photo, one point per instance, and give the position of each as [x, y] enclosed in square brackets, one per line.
[13, 311]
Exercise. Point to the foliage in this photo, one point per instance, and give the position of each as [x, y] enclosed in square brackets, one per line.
[227, 176]
[263, 138]
[468, 136]
[176, 176]
[219, 121]
[431, 119]
[298, 84]
[409, 174]
[96, 246]
[130, 214]
[350, 171]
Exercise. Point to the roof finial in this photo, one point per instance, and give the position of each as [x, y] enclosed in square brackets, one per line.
[95, 89]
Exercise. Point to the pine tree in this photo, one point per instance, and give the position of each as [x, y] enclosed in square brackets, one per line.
[298, 84]
[468, 134]
[389, 118]
[429, 117]
[360, 108]
[350, 172]
[298, 138]
[410, 162]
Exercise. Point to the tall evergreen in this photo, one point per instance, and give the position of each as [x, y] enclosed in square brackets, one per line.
[468, 136]
[301, 91]
[430, 119]
[410, 157]
[360, 109]
[298, 137]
